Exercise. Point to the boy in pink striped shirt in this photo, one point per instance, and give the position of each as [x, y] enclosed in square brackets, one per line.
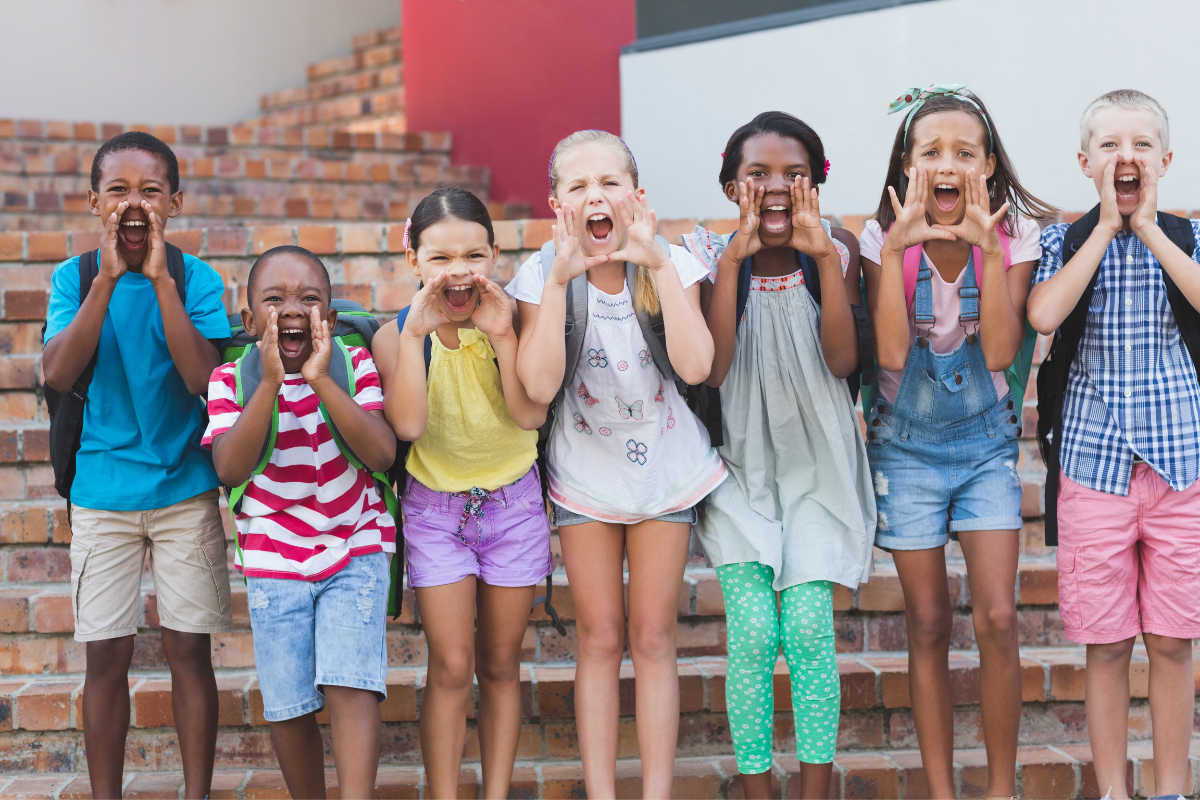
[314, 531]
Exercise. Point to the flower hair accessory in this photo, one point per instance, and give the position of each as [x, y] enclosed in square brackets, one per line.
[915, 98]
[407, 227]
[826, 166]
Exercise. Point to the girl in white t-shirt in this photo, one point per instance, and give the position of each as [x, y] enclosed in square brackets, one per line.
[948, 261]
[627, 461]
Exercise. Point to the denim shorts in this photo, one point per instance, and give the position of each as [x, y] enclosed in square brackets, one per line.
[565, 516]
[932, 482]
[310, 634]
[507, 544]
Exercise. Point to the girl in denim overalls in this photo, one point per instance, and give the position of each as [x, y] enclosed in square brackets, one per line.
[948, 268]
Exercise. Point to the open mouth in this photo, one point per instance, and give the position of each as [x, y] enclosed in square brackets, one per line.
[459, 299]
[599, 228]
[132, 234]
[946, 197]
[291, 341]
[775, 218]
[1127, 187]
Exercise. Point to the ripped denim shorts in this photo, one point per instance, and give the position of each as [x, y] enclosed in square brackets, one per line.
[312, 634]
[934, 481]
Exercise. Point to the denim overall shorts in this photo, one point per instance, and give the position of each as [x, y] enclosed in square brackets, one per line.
[943, 456]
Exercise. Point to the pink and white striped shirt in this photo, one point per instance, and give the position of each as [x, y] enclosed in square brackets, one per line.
[309, 511]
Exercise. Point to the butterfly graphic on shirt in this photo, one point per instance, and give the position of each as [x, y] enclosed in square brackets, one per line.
[629, 410]
[587, 399]
[659, 398]
[581, 424]
[645, 358]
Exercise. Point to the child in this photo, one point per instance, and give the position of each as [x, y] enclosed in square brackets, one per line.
[313, 529]
[942, 432]
[141, 479]
[627, 460]
[475, 523]
[1128, 508]
[799, 514]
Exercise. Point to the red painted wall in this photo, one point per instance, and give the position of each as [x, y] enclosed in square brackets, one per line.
[509, 78]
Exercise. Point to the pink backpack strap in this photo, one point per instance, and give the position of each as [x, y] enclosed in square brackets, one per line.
[912, 265]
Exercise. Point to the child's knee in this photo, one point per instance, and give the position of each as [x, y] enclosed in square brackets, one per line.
[1169, 648]
[454, 669]
[929, 626]
[997, 623]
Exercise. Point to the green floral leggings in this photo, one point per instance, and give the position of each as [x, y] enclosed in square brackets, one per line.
[755, 623]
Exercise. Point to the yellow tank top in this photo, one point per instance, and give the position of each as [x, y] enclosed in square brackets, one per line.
[470, 440]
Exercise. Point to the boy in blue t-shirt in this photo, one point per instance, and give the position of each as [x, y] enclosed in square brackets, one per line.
[142, 479]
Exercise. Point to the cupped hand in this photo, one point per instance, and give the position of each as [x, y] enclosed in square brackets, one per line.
[317, 365]
[112, 265]
[268, 352]
[747, 241]
[569, 259]
[641, 226]
[1146, 215]
[808, 234]
[424, 314]
[978, 226]
[1110, 215]
[493, 315]
[911, 227]
[155, 265]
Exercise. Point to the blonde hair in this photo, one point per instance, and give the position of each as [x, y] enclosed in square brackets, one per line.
[645, 296]
[1130, 100]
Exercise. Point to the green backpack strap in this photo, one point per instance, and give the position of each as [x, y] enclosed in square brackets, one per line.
[247, 374]
[1017, 375]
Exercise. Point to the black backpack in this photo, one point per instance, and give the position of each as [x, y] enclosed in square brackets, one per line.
[66, 408]
[1054, 371]
[399, 473]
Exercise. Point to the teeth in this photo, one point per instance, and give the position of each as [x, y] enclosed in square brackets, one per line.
[776, 208]
[943, 186]
[135, 223]
[291, 330]
[595, 217]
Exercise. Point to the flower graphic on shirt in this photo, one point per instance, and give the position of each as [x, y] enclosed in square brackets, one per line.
[621, 365]
[645, 358]
[659, 398]
[596, 358]
[606, 431]
[587, 399]
[670, 418]
[581, 425]
[629, 411]
[637, 452]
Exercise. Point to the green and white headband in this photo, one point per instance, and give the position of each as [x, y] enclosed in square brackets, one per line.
[914, 98]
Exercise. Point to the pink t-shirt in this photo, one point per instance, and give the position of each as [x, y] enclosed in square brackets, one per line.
[947, 334]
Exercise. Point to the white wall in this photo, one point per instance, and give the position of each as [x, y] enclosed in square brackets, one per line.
[1037, 64]
[168, 61]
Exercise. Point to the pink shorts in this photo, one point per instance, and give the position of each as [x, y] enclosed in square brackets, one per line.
[504, 541]
[1129, 565]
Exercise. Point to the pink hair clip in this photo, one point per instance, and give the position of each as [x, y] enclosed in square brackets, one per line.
[827, 166]
[722, 154]
[407, 227]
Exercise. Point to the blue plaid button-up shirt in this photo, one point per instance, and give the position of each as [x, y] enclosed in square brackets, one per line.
[1132, 390]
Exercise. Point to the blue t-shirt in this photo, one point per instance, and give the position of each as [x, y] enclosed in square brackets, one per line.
[140, 447]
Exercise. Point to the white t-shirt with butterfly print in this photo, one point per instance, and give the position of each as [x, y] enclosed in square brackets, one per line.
[624, 447]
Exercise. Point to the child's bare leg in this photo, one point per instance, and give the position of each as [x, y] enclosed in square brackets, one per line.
[355, 725]
[503, 614]
[301, 755]
[106, 713]
[927, 616]
[448, 617]
[757, 786]
[194, 701]
[657, 556]
[1172, 700]
[592, 553]
[1106, 702]
[992, 573]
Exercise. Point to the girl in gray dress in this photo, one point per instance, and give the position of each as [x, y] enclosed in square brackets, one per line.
[798, 513]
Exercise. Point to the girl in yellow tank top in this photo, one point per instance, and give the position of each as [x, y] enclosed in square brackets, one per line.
[474, 519]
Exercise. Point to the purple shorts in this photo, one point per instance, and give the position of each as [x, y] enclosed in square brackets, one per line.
[503, 538]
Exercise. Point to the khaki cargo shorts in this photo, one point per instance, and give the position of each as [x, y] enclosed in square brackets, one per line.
[187, 552]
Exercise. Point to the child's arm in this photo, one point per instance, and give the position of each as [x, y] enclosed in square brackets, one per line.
[839, 334]
[1001, 296]
[1054, 298]
[405, 390]
[195, 357]
[68, 352]
[889, 309]
[365, 432]
[542, 349]
[1144, 222]
[721, 312]
[689, 344]
[494, 317]
[237, 451]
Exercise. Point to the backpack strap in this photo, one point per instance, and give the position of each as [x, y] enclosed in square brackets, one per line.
[576, 320]
[912, 264]
[178, 272]
[400, 320]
